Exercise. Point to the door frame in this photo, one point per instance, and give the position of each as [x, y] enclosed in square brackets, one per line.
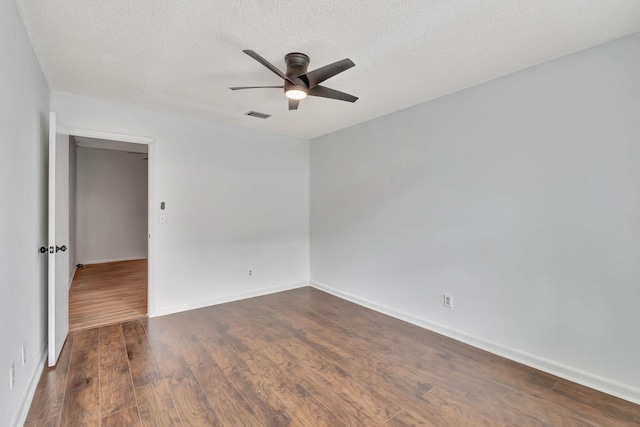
[151, 223]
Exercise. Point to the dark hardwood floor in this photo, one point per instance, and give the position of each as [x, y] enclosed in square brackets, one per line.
[300, 358]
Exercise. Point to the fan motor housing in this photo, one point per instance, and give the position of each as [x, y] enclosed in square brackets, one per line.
[297, 63]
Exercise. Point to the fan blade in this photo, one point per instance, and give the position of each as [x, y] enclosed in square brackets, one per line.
[293, 104]
[326, 92]
[315, 77]
[267, 64]
[255, 87]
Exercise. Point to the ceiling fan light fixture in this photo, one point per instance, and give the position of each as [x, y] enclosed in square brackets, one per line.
[300, 83]
[296, 93]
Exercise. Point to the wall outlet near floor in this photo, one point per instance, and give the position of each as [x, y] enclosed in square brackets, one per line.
[12, 375]
[24, 353]
[448, 301]
[250, 273]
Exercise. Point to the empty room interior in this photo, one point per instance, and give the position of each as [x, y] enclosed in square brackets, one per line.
[416, 213]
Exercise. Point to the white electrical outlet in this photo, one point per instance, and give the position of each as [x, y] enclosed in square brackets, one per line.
[24, 353]
[12, 375]
[250, 272]
[448, 301]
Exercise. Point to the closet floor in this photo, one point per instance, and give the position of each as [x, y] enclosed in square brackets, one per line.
[107, 293]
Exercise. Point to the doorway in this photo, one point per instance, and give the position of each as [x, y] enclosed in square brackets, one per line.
[108, 231]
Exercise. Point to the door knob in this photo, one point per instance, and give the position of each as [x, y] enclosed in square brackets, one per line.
[61, 248]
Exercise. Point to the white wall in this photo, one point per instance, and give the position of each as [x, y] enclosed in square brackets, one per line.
[24, 105]
[519, 197]
[111, 205]
[237, 199]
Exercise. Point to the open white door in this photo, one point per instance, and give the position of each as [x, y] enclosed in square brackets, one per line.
[58, 240]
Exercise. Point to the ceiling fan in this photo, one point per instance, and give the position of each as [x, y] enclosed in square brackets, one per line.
[298, 83]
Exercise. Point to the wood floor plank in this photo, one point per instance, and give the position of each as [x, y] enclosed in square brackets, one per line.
[188, 397]
[278, 354]
[439, 405]
[444, 368]
[322, 346]
[50, 421]
[47, 400]
[301, 358]
[529, 375]
[167, 343]
[367, 386]
[156, 407]
[343, 403]
[229, 405]
[106, 293]
[191, 402]
[406, 418]
[219, 349]
[126, 418]
[536, 409]
[81, 401]
[224, 355]
[144, 367]
[493, 407]
[616, 408]
[251, 338]
[116, 386]
[384, 406]
[265, 403]
[88, 338]
[302, 406]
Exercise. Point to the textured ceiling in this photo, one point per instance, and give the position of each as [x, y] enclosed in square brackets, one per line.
[181, 56]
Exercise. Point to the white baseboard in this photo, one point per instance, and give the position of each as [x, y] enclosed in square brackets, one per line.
[578, 376]
[199, 304]
[101, 261]
[21, 416]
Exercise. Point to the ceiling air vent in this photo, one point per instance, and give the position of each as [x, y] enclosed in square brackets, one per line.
[258, 115]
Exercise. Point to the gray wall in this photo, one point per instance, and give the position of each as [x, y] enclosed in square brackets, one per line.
[111, 205]
[519, 197]
[24, 105]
